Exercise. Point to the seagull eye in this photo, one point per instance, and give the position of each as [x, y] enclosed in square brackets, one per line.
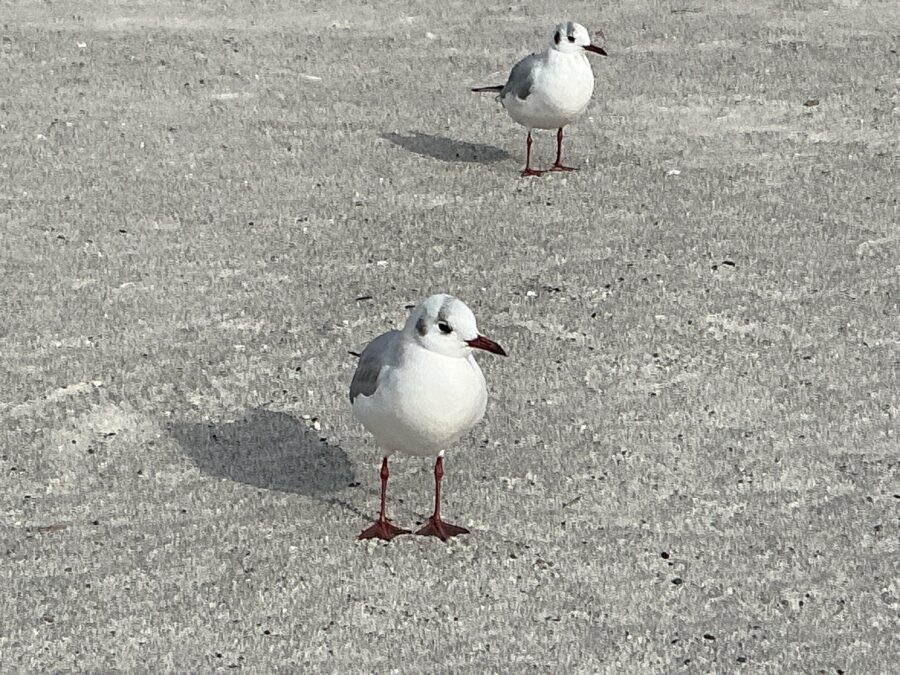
[571, 38]
[444, 327]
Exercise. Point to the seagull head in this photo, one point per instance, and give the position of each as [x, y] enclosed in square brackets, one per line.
[573, 38]
[445, 325]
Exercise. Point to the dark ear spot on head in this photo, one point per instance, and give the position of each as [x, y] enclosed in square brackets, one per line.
[421, 326]
[442, 312]
[556, 38]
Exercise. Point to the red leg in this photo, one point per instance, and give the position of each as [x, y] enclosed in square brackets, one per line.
[558, 165]
[382, 529]
[528, 170]
[435, 526]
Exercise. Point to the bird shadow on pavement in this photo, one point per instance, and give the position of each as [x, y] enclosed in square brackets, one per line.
[447, 149]
[270, 450]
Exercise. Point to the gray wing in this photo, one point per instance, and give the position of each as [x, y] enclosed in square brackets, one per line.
[521, 78]
[377, 354]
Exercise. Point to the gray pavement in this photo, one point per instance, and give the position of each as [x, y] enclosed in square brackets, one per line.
[690, 459]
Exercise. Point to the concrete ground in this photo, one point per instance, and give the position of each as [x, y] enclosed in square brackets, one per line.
[691, 459]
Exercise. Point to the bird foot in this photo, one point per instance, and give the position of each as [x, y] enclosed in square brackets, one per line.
[528, 171]
[438, 528]
[382, 529]
[562, 167]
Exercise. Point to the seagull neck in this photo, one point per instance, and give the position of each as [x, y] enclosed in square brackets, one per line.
[566, 57]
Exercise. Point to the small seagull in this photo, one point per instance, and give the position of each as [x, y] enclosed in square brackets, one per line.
[417, 391]
[549, 90]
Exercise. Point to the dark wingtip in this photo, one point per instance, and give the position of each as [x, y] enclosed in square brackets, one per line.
[493, 87]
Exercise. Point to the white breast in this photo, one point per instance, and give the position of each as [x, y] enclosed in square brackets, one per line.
[425, 406]
[563, 85]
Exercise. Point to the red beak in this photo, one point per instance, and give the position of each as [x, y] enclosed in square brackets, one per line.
[596, 50]
[486, 344]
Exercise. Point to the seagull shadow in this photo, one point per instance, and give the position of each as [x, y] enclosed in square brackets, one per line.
[270, 450]
[447, 149]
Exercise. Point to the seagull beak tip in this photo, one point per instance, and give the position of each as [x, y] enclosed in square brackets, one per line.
[488, 345]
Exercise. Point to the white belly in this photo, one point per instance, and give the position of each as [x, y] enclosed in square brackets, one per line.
[562, 89]
[426, 407]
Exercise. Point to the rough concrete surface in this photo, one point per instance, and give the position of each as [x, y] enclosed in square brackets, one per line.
[691, 459]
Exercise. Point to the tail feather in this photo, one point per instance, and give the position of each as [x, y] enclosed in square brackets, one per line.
[494, 87]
